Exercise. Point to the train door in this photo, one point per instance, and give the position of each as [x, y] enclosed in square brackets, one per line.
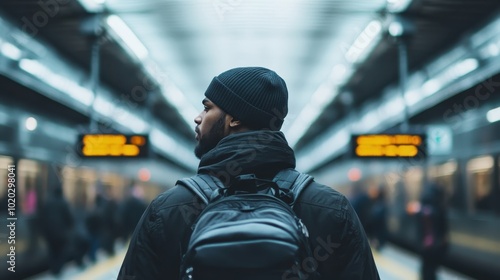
[445, 176]
[4, 163]
[31, 189]
[479, 178]
[413, 179]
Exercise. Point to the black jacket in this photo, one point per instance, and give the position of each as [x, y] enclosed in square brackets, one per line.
[338, 241]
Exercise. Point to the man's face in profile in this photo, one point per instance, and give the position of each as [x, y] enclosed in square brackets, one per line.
[210, 129]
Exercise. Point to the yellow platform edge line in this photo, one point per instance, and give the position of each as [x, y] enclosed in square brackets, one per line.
[383, 263]
[102, 267]
[397, 270]
[477, 243]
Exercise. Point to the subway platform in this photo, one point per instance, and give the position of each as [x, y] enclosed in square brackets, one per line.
[392, 263]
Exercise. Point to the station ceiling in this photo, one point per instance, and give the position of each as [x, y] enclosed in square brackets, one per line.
[334, 55]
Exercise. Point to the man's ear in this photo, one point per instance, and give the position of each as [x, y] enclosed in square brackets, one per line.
[234, 123]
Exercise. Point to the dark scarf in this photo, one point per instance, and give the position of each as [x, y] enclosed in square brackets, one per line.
[263, 153]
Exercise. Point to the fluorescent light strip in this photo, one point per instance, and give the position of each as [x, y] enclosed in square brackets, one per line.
[448, 75]
[131, 121]
[103, 106]
[3, 117]
[175, 97]
[63, 84]
[364, 43]
[320, 99]
[11, 51]
[397, 6]
[369, 121]
[127, 36]
[493, 115]
[171, 92]
[93, 5]
[412, 97]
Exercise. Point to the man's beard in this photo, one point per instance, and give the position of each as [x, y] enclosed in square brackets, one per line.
[211, 139]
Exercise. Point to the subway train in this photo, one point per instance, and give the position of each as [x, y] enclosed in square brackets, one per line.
[37, 152]
[469, 174]
[26, 251]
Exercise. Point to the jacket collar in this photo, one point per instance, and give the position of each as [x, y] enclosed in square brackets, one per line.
[263, 153]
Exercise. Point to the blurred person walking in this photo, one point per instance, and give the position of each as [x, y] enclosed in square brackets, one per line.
[378, 218]
[362, 203]
[56, 224]
[432, 228]
[130, 211]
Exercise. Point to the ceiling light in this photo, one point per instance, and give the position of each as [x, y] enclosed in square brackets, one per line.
[364, 43]
[177, 98]
[490, 50]
[127, 36]
[396, 29]
[430, 87]
[412, 97]
[448, 75]
[3, 117]
[103, 106]
[397, 6]
[400, 26]
[369, 121]
[59, 82]
[320, 99]
[11, 51]
[129, 120]
[493, 115]
[30, 123]
[93, 6]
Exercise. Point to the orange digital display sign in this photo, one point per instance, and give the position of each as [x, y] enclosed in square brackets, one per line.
[388, 145]
[113, 145]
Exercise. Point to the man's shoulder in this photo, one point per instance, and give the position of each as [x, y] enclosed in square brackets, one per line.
[324, 196]
[175, 196]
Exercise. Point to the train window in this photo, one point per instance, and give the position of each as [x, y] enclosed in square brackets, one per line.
[31, 178]
[497, 193]
[4, 162]
[413, 183]
[479, 172]
[79, 185]
[444, 175]
[114, 185]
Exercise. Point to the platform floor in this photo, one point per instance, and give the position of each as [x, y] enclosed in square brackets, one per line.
[392, 263]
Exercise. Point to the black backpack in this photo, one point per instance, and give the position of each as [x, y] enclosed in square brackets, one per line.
[249, 230]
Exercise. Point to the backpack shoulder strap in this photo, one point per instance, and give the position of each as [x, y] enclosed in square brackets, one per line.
[293, 180]
[203, 185]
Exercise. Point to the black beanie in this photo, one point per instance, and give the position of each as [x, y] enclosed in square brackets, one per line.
[256, 96]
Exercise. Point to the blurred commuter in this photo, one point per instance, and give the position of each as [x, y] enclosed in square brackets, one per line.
[80, 237]
[378, 218]
[102, 223]
[400, 201]
[29, 208]
[361, 202]
[56, 224]
[95, 223]
[111, 227]
[433, 229]
[131, 210]
[238, 132]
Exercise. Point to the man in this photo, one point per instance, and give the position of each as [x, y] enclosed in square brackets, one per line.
[238, 133]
